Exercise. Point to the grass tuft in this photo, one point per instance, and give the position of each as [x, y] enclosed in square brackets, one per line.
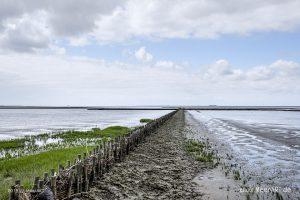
[236, 175]
[145, 120]
[112, 131]
[199, 150]
[12, 144]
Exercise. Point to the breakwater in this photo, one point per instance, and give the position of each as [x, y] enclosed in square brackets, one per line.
[76, 178]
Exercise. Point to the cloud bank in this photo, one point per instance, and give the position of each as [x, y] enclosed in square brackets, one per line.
[64, 80]
[36, 69]
[33, 25]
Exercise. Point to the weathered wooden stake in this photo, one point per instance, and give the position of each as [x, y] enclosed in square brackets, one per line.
[36, 183]
[70, 184]
[53, 186]
[85, 178]
[79, 178]
[46, 178]
[94, 174]
[41, 184]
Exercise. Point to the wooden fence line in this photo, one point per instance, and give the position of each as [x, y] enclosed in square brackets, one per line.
[76, 178]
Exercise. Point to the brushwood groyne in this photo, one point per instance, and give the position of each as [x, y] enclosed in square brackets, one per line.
[75, 179]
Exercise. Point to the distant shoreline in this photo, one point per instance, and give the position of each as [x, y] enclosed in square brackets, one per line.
[228, 108]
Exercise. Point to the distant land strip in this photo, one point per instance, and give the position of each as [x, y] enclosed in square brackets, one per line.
[212, 107]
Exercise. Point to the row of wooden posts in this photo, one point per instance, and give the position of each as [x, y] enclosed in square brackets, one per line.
[75, 178]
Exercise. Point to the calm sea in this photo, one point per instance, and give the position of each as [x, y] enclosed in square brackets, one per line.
[19, 122]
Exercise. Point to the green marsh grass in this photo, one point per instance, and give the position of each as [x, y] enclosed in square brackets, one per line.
[112, 131]
[145, 120]
[47, 157]
[27, 145]
[12, 144]
[27, 167]
[199, 150]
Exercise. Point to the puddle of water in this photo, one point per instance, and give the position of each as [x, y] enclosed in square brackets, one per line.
[43, 142]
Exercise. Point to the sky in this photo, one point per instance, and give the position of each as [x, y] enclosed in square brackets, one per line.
[149, 52]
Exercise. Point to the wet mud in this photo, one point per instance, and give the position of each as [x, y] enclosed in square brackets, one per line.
[158, 168]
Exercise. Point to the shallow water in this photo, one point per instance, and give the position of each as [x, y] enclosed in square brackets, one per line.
[264, 143]
[20, 122]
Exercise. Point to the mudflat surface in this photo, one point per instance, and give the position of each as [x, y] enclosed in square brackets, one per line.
[159, 168]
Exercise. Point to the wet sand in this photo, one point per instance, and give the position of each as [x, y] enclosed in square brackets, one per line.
[212, 181]
[257, 181]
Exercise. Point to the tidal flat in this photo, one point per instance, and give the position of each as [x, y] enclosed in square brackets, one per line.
[261, 164]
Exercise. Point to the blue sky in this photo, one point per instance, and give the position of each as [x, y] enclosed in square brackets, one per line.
[139, 52]
[243, 51]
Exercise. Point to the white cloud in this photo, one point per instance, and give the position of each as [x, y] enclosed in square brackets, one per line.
[196, 19]
[114, 20]
[167, 64]
[27, 26]
[26, 34]
[142, 55]
[63, 80]
[280, 70]
[260, 73]
[222, 69]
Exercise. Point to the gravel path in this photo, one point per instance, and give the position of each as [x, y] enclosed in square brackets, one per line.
[159, 168]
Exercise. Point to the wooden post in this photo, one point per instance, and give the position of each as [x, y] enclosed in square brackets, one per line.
[60, 169]
[103, 163]
[18, 182]
[70, 183]
[85, 178]
[52, 172]
[112, 158]
[79, 178]
[97, 149]
[100, 162]
[53, 186]
[108, 155]
[41, 184]
[12, 194]
[36, 183]
[46, 178]
[53, 183]
[127, 145]
[94, 174]
[116, 150]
